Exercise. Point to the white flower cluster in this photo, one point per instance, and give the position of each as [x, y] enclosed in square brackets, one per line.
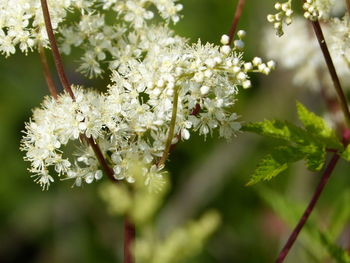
[137, 12]
[307, 59]
[131, 121]
[311, 10]
[53, 126]
[22, 23]
[284, 15]
[340, 39]
[238, 44]
[113, 44]
[161, 89]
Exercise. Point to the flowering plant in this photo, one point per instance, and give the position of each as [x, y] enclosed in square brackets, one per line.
[161, 90]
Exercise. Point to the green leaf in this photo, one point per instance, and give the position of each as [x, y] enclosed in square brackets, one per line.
[280, 158]
[267, 168]
[309, 143]
[336, 252]
[279, 130]
[315, 156]
[318, 127]
[275, 163]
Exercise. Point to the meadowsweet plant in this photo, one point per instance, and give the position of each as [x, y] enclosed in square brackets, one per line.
[162, 89]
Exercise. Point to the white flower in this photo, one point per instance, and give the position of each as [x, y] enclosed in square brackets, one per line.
[307, 59]
[22, 23]
[151, 69]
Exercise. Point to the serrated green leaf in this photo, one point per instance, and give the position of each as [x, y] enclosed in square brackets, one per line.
[279, 130]
[335, 251]
[318, 127]
[346, 153]
[280, 158]
[315, 156]
[275, 163]
[267, 168]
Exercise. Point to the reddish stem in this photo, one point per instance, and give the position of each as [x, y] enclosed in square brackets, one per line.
[55, 52]
[346, 134]
[97, 150]
[327, 173]
[129, 226]
[47, 73]
[129, 239]
[238, 14]
[328, 59]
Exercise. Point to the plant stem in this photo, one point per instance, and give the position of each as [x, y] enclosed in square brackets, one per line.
[129, 227]
[330, 167]
[47, 74]
[171, 129]
[129, 239]
[55, 52]
[238, 13]
[348, 5]
[97, 150]
[64, 81]
[327, 173]
[341, 96]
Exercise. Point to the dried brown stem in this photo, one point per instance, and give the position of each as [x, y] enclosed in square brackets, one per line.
[238, 14]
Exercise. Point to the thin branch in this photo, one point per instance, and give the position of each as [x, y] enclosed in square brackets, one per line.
[330, 167]
[129, 239]
[331, 103]
[171, 129]
[238, 13]
[55, 52]
[47, 74]
[325, 177]
[129, 227]
[64, 81]
[348, 5]
[336, 82]
[97, 150]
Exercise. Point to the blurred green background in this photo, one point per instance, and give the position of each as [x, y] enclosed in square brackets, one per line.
[68, 224]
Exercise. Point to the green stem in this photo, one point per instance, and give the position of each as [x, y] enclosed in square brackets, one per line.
[171, 128]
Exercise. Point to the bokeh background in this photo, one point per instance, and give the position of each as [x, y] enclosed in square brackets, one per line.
[70, 225]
